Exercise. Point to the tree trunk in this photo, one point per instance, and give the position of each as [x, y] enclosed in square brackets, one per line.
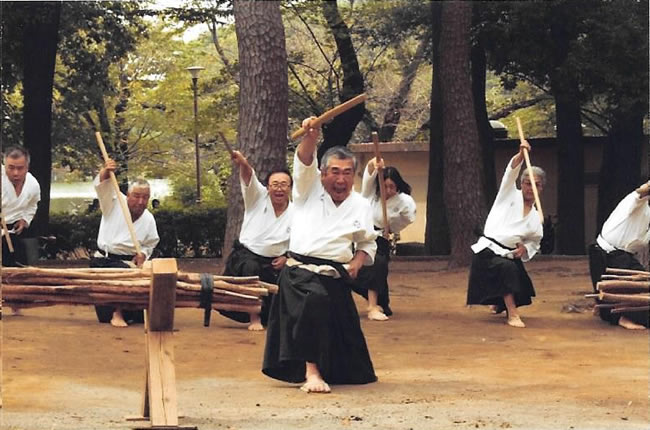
[486, 137]
[620, 171]
[263, 99]
[40, 39]
[394, 111]
[570, 235]
[463, 170]
[339, 131]
[436, 234]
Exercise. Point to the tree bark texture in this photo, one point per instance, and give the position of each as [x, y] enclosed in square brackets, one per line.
[463, 168]
[620, 171]
[339, 131]
[436, 234]
[570, 233]
[263, 99]
[486, 137]
[40, 39]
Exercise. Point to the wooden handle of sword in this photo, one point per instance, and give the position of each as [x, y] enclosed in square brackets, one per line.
[337, 110]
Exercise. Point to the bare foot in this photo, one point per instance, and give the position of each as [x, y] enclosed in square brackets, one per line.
[630, 325]
[375, 314]
[118, 319]
[315, 384]
[255, 327]
[515, 321]
[256, 323]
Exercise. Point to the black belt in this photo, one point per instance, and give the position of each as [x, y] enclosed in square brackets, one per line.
[498, 243]
[119, 257]
[323, 262]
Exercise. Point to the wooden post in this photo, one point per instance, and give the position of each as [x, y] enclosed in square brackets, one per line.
[159, 403]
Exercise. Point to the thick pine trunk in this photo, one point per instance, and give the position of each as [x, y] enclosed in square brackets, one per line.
[436, 234]
[570, 234]
[40, 40]
[486, 138]
[620, 171]
[263, 99]
[340, 129]
[463, 168]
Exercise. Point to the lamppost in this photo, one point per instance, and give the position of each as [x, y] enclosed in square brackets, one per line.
[194, 71]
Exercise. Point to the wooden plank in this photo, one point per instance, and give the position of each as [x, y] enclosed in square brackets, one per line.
[162, 379]
[162, 295]
[144, 407]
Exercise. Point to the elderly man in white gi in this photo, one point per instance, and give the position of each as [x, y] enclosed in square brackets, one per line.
[114, 243]
[512, 235]
[264, 237]
[623, 243]
[20, 196]
[314, 334]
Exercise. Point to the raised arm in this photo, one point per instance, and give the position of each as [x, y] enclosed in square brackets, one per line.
[368, 188]
[519, 158]
[245, 169]
[307, 146]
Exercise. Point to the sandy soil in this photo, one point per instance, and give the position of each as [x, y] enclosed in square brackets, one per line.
[440, 365]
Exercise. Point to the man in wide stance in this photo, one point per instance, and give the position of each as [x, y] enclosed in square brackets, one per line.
[314, 333]
[623, 244]
[512, 235]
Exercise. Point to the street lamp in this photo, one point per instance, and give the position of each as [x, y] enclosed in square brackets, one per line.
[194, 71]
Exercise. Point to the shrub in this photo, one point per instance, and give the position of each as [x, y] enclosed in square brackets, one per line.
[188, 232]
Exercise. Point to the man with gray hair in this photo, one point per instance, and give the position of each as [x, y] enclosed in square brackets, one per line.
[512, 235]
[20, 196]
[114, 243]
[314, 334]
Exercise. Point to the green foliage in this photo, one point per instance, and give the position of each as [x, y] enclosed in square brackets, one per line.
[188, 232]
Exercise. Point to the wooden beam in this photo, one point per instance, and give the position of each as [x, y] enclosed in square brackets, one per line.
[162, 296]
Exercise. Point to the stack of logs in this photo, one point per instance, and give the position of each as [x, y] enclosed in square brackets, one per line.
[624, 290]
[126, 288]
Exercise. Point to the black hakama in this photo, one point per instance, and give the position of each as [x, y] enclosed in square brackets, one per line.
[491, 277]
[600, 260]
[375, 277]
[244, 262]
[314, 318]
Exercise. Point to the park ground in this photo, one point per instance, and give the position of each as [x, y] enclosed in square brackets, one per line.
[440, 365]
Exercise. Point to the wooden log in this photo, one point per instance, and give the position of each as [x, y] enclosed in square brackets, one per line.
[618, 310]
[196, 278]
[607, 277]
[618, 286]
[10, 273]
[624, 298]
[617, 271]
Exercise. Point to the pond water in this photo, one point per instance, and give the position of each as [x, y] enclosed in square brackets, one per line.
[75, 197]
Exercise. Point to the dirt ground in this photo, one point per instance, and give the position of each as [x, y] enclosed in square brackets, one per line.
[440, 365]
